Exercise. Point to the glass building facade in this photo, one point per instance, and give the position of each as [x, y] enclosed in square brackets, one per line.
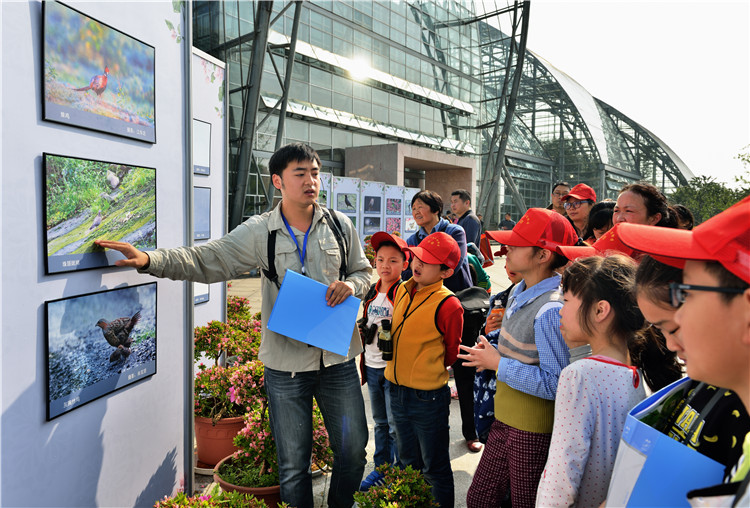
[416, 72]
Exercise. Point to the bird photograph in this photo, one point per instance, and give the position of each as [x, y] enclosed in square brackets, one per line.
[97, 84]
[87, 200]
[346, 202]
[92, 70]
[95, 339]
[372, 204]
[117, 334]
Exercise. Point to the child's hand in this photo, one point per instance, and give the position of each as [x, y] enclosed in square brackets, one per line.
[482, 356]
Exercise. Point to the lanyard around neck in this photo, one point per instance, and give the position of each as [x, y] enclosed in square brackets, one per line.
[300, 252]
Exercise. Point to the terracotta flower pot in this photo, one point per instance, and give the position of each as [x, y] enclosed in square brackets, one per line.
[271, 495]
[214, 442]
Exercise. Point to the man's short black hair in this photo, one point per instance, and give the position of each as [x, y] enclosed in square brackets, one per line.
[558, 184]
[463, 194]
[293, 152]
[431, 199]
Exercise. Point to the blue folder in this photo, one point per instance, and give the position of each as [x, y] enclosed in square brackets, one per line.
[301, 313]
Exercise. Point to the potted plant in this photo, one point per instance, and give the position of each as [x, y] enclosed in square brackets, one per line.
[212, 496]
[253, 468]
[401, 487]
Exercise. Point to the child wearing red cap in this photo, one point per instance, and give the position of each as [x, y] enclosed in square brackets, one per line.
[713, 305]
[529, 357]
[377, 306]
[426, 331]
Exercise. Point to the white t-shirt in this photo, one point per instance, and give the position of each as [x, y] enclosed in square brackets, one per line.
[380, 308]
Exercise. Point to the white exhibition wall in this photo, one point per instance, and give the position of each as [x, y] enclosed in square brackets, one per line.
[125, 448]
[209, 146]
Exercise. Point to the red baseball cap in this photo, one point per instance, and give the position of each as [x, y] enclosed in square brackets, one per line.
[438, 249]
[609, 242]
[580, 192]
[724, 238]
[538, 227]
[382, 236]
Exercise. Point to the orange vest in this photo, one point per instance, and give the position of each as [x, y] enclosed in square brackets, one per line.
[418, 347]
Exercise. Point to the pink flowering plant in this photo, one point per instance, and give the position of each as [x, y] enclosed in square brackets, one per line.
[401, 487]
[210, 500]
[238, 337]
[212, 393]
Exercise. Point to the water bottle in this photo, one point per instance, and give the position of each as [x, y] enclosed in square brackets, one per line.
[495, 319]
[385, 343]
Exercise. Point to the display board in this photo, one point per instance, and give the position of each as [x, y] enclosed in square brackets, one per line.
[117, 438]
[209, 173]
[326, 181]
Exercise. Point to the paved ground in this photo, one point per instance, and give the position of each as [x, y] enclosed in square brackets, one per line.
[463, 462]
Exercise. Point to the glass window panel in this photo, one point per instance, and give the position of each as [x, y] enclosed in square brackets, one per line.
[341, 138]
[343, 31]
[379, 97]
[320, 135]
[320, 22]
[304, 32]
[398, 22]
[343, 9]
[342, 85]
[380, 115]
[361, 139]
[413, 75]
[320, 78]
[380, 13]
[362, 40]
[301, 72]
[361, 91]
[398, 70]
[398, 118]
[362, 108]
[362, 19]
[321, 39]
[398, 36]
[342, 102]
[380, 63]
[381, 28]
[270, 85]
[297, 129]
[320, 96]
[397, 103]
[342, 47]
[299, 91]
[413, 43]
[365, 7]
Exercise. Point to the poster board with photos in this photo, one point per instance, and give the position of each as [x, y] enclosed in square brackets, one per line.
[410, 226]
[201, 213]
[345, 198]
[372, 199]
[85, 362]
[105, 84]
[86, 200]
[326, 181]
[201, 292]
[394, 209]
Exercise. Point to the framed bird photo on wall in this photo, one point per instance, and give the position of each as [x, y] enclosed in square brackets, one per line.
[98, 343]
[96, 76]
[85, 200]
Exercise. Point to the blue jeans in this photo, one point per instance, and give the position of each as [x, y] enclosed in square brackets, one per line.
[339, 396]
[385, 430]
[421, 418]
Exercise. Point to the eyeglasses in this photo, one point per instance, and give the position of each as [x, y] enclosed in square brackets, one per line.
[678, 292]
[575, 205]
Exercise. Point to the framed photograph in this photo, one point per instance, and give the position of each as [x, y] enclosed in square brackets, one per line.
[372, 204]
[86, 200]
[98, 343]
[353, 218]
[201, 213]
[392, 206]
[96, 76]
[370, 225]
[323, 197]
[410, 225]
[201, 147]
[346, 203]
[393, 225]
[201, 292]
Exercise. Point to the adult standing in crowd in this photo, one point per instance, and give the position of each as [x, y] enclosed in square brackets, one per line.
[306, 242]
[461, 206]
[559, 191]
[578, 203]
[425, 207]
[642, 203]
[507, 223]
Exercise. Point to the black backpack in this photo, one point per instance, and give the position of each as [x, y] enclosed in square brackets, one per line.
[476, 303]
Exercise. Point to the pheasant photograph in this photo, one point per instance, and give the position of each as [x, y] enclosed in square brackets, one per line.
[98, 83]
[96, 76]
[117, 334]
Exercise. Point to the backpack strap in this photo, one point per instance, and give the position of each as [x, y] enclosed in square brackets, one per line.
[333, 222]
[335, 226]
[271, 256]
